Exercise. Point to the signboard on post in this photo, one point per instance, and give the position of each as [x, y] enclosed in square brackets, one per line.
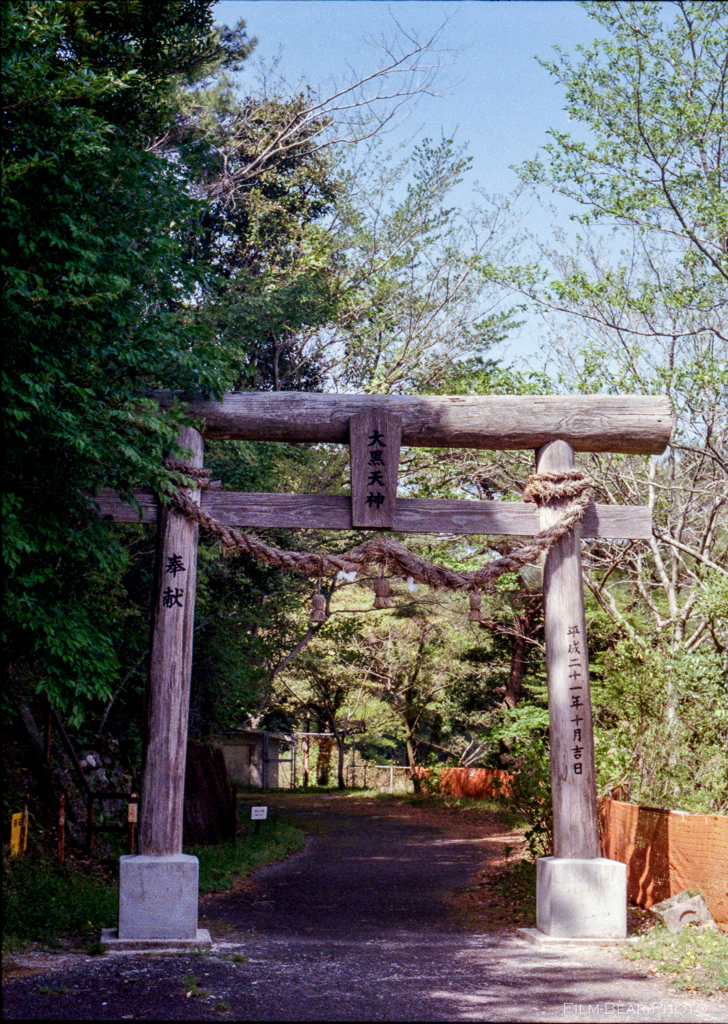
[374, 442]
[258, 814]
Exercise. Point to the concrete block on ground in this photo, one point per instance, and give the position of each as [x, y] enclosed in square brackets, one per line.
[158, 897]
[580, 898]
[683, 909]
[538, 938]
[110, 941]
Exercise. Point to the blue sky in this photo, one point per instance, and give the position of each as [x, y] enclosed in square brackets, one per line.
[501, 100]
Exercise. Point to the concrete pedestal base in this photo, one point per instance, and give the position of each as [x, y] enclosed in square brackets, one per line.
[111, 941]
[581, 898]
[544, 941]
[158, 897]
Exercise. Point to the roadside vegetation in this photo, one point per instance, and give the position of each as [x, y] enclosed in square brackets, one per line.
[694, 960]
[45, 902]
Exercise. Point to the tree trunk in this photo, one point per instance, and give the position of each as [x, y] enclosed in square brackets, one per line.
[514, 688]
[306, 752]
[525, 627]
[410, 745]
[341, 744]
[323, 763]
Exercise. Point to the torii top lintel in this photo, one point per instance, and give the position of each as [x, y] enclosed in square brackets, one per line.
[628, 424]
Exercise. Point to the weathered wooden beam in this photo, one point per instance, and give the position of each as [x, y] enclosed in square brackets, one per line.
[412, 515]
[571, 739]
[631, 424]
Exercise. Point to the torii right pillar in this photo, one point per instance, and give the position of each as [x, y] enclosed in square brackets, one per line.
[579, 894]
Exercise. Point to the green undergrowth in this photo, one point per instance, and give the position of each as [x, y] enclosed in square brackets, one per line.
[694, 960]
[48, 903]
[517, 884]
[220, 865]
[44, 901]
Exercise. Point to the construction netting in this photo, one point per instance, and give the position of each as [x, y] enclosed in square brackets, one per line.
[667, 852]
[476, 783]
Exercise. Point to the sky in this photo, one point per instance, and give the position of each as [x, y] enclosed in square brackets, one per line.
[500, 100]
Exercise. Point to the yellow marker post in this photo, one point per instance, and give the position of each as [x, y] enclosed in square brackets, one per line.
[24, 829]
[16, 823]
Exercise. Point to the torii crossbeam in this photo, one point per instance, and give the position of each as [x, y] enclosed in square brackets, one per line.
[579, 893]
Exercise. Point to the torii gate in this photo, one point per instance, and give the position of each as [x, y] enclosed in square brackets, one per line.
[579, 894]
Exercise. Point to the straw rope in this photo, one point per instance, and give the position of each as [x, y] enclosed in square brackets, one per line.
[544, 489]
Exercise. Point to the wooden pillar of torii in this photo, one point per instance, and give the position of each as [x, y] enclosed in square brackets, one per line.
[554, 427]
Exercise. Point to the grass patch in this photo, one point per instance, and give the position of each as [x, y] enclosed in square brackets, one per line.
[695, 960]
[44, 901]
[220, 865]
[516, 885]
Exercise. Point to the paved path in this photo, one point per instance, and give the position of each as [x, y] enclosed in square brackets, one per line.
[357, 927]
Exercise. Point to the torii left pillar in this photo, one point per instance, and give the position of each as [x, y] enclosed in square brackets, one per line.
[158, 889]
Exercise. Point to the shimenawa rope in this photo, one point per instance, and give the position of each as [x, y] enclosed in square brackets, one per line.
[542, 488]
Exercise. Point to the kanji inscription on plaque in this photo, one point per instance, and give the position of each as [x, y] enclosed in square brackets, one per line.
[374, 439]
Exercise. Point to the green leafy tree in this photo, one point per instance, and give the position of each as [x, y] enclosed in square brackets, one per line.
[416, 305]
[634, 298]
[99, 304]
[652, 317]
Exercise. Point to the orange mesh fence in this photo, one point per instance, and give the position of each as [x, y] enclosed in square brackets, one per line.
[477, 783]
[667, 852]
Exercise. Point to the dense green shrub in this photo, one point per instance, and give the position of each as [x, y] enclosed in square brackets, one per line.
[43, 901]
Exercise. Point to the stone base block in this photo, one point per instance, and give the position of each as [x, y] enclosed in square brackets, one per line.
[581, 898]
[111, 941]
[158, 897]
[538, 938]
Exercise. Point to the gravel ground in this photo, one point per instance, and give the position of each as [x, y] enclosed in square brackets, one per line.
[367, 923]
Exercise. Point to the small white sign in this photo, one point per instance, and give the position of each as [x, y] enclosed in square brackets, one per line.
[258, 813]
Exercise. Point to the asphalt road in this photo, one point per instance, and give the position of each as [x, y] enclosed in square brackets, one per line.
[357, 927]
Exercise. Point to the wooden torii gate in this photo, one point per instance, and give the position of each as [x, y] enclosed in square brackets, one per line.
[579, 893]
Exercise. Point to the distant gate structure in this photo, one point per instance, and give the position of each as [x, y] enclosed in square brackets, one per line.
[254, 758]
[574, 897]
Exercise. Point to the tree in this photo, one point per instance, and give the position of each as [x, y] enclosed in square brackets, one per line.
[652, 318]
[635, 301]
[418, 306]
[98, 305]
[277, 124]
[262, 238]
[652, 100]
[269, 165]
